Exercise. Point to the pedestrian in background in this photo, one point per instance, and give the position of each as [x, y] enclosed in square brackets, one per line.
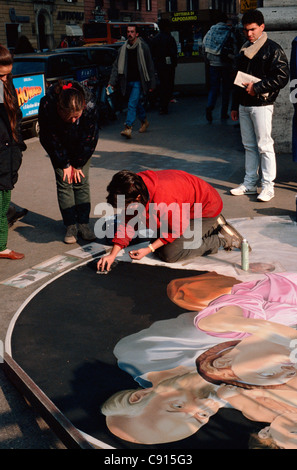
[220, 47]
[69, 133]
[11, 147]
[134, 71]
[164, 52]
[253, 104]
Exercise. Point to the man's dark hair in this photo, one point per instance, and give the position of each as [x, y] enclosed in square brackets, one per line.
[132, 25]
[252, 16]
[128, 184]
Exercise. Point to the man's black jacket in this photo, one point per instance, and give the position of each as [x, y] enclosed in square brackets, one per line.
[270, 64]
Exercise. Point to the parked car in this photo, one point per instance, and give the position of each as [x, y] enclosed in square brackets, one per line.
[102, 56]
[27, 68]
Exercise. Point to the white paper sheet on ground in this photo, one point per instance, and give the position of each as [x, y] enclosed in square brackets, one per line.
[88, 250]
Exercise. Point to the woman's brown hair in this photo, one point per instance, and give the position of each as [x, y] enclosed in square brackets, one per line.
[71, 98]
[10, 99]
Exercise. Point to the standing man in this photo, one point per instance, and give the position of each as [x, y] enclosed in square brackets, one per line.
[164, 51]
[253, 104]
[134, 71]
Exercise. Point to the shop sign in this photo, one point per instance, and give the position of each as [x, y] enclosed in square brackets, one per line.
[181, 16]
[70, 15]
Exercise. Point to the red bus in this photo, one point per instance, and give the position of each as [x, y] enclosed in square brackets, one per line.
[109, 32]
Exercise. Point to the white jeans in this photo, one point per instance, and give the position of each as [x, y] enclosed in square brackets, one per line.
[255, 127]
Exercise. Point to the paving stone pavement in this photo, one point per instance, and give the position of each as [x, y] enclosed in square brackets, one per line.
[183, 140]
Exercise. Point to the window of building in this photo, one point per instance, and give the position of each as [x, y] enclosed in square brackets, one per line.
[148, 5]
[192, 5]
[171, 5]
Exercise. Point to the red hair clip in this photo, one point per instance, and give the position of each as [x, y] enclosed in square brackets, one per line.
[65, 87]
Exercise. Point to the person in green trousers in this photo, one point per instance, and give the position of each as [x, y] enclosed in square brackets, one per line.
[11, 147]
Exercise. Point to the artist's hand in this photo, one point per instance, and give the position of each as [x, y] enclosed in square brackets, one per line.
[105, 262]
[68, 174]
[77, 174]
[140, 253]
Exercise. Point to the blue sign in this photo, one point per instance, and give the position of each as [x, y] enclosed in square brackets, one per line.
[30, 89]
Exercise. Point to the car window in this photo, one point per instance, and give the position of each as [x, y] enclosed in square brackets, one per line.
[59, 65]
[103, 57]
[23, 67]
[80, 59]
[115, 31]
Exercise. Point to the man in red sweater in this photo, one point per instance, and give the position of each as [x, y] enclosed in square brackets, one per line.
[182, 210]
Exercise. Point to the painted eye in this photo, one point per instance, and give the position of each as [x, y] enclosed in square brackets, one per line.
[177, 405]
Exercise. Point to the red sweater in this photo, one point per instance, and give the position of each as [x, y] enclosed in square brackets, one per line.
[172, 195]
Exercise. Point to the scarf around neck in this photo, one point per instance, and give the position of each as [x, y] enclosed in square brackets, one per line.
[250, 50]
[140, 54]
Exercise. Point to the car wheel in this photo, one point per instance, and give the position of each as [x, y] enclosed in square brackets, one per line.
[36, 128]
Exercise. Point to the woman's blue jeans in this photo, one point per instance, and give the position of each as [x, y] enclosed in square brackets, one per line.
[135, 107]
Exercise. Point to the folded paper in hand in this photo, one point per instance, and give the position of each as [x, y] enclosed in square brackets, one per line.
[242, 77]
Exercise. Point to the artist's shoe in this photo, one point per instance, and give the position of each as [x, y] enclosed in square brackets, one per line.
[71, 234]
[266, 194]
[242, 189]
[127, 132]
[12, 255]
[231, 237]
[144, 125]
[86, 233]
[208, 113]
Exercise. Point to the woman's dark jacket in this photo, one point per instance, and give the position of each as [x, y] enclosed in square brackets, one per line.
[270, 64]
[68, 144]
[10, 151]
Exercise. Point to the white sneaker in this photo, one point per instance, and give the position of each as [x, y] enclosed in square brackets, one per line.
[242, 189]
[266, 194]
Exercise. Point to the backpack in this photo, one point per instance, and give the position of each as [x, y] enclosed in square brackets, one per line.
[227, 51]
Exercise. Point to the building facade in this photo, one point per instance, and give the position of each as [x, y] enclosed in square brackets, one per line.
[121, 10]
[44, 22]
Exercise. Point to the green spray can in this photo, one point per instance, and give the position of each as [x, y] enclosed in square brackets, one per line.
[245, 255]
